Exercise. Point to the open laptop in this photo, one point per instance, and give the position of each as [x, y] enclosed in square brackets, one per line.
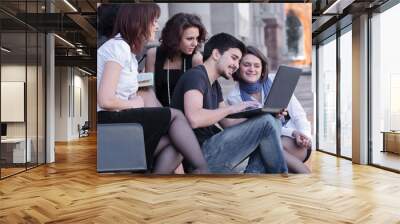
[279, 96]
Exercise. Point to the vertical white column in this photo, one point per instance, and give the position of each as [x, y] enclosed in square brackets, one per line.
[163, 17]
[50, 93]
[50, 99]
[360, 90]
[200, 9]
[314, 91]
[257, 34]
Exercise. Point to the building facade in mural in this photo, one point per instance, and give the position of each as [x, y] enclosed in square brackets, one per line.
[263, 25]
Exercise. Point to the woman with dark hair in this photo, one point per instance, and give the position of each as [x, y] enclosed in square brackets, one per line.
[167, 134]
[180, 39]
[253, 84]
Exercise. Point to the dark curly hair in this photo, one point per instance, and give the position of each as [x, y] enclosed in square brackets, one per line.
[172, 33]
[264, 63]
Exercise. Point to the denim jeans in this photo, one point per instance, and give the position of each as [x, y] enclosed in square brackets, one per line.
[257, 138]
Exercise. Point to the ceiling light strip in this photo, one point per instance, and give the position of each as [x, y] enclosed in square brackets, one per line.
[65, 41]
[337, 7]
[86, 72]
[326, 11]
[70, 5]
[5, 50]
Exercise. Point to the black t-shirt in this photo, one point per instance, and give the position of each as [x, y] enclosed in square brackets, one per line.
[197, 78]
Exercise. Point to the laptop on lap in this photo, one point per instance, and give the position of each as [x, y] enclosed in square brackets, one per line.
[279, 96]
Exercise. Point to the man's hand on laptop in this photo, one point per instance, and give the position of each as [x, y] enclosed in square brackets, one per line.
[235, 108]
[301, 139]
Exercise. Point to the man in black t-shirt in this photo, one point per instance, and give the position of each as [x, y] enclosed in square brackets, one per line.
[198, 94]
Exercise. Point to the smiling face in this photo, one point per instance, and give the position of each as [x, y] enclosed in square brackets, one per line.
[228, 62]
[189, 40]
[250, 68]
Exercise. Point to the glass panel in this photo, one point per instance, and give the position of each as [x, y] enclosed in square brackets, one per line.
[41, 98]
[385, 86]
[346, 94]
[22, 63]
[327, 97]
[13, 86]
[31, 97]
[32, 86]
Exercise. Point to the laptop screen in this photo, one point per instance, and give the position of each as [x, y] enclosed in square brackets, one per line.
[283, 87]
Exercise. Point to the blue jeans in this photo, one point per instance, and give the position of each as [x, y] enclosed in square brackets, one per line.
[257, 138]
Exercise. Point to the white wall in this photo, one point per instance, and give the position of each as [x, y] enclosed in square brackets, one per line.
[12, 101]
[71, 94]
[80, 100]
[61, 103]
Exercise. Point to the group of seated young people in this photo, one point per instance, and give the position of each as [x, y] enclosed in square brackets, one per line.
[181, 120]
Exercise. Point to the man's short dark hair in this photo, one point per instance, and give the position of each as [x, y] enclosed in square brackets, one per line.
[222, 42]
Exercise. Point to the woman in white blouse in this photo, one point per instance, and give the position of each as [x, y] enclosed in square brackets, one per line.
[167, 134]
[254, 83]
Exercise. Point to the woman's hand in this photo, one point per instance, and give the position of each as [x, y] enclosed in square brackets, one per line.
[281, 114]
[149, 97]
[301, 139]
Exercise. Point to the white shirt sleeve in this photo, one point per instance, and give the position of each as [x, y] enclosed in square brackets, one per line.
[118, 51]
[234, 96]
[287, 132]
[298, 119]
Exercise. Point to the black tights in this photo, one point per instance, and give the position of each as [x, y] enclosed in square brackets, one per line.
[180, 141]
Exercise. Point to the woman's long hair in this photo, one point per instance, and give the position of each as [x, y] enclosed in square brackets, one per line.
[133, 22]
[171, 34]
